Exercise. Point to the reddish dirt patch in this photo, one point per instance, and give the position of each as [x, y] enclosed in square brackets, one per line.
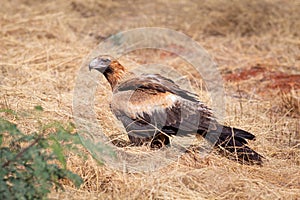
[245, 74]
[284, 82]
[266, 78]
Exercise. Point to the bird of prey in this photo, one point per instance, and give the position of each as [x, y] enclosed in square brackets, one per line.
[152, 108]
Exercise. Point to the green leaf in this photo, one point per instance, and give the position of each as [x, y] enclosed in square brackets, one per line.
[99, 148]
[58, 151]
[39, 108]
[27, 172]
[6, 126]
[9, 111]
[77, 180]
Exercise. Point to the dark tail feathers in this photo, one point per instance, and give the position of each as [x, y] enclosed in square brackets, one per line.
[234, 141]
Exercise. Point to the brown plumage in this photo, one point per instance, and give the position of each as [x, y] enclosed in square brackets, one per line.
[152, 107]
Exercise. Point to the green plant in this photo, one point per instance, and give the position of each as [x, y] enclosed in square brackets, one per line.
[32, 164]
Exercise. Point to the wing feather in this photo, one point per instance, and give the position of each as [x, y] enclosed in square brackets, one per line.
[156, 83]
[151, 104]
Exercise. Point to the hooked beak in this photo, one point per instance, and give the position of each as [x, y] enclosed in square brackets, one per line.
[99, 64]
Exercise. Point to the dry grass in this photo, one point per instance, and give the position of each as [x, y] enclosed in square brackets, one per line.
[44, 43]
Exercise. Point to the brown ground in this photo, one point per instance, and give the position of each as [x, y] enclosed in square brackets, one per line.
[255, 43]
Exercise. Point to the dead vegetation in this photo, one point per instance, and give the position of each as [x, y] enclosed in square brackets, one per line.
[43, 45]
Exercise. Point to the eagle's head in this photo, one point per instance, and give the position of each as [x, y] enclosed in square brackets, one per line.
[109, 67]
[101, 63]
